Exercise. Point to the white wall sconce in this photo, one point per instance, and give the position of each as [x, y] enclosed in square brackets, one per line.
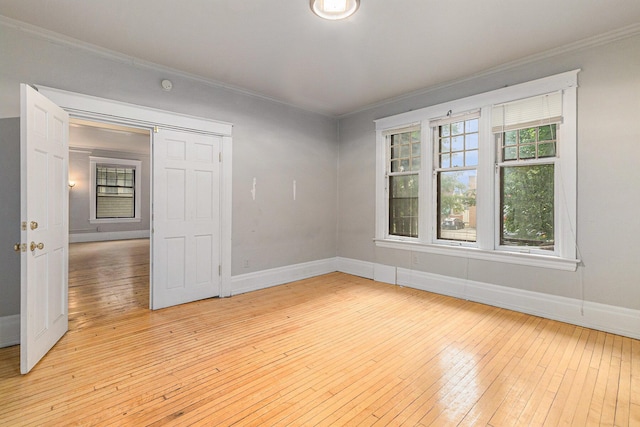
[72, 184]
[334, 9]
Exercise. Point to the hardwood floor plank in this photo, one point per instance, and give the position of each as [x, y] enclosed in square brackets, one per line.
[330, 350]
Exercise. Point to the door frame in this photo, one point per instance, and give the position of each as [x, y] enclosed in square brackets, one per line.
[111, 111]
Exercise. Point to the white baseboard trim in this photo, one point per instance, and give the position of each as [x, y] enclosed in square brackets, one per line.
[108, 235]
[617, 320]
[243, 283]
[356, 267]
[9, 330]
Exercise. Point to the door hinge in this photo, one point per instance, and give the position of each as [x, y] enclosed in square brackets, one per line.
[20, 247]
[156, 129]
[24, 226]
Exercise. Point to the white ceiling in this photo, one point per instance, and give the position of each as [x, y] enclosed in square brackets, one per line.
[281, 50]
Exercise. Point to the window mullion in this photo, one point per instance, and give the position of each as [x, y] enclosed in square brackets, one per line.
[485, 203]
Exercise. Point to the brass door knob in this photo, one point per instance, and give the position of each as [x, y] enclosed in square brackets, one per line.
[33, 246]
[34, 225]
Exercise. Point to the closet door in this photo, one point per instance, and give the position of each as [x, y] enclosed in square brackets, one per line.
[186, 218]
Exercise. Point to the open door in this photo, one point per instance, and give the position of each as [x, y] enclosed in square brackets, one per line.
[44, 205]
[186, 217]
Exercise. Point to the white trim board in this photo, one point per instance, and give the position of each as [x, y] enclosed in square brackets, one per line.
[278, 276]
[608, 318]
[602, 317]
[356, 267]
[9, 330]
[108, 235]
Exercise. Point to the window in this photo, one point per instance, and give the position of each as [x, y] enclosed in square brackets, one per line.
[403, 181]
[502, 179]
[115, 192]
[115, 195]
[456, 162]
[526, 135]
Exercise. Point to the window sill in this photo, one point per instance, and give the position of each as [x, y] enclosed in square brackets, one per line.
[532, 260]
[113, 220]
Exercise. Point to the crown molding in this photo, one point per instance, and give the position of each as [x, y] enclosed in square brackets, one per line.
[67, 41]
[590, 42]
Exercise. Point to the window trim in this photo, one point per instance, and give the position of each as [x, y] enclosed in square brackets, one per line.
[486, 248]
[137, 166]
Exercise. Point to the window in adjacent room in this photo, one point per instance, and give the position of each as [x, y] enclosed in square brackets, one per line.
[115, 192]
[115, 195]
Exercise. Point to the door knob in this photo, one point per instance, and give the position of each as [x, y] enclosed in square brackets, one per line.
[34, 225]
[33, 246]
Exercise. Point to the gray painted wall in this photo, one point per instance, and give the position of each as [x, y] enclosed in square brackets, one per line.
[608, 178]
[9, 216]
[272, 142]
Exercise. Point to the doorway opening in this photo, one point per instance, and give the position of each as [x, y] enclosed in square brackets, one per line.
[109, 220]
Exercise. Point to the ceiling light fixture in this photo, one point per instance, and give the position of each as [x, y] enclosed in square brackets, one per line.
[334, 9]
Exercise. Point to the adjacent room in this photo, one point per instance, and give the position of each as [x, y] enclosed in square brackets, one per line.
[319, 212]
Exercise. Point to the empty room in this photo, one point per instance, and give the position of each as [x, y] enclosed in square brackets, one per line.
[319, 212]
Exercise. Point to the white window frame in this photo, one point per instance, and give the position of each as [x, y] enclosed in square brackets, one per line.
[388, 174]
[137, 166]
[487, 245]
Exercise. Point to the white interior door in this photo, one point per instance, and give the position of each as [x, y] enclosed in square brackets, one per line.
[44, 139]
[186, 218]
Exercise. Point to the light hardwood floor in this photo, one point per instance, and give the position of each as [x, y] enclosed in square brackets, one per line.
[331, 350]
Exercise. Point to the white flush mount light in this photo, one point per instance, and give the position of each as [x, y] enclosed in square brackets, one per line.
[334, 9]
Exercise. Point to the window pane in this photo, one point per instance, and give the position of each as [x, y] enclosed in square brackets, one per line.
[395, 151]
[527, 135]
[457, 143]
[415, 164]
[471, 141]
[510, 153]
[457, 128]
[471, 158]
[527, 151]
[457, 160]
[445, 161]
[445, 145]
[510, 138]
[403, 205]
[547, 150]
[546, 133]
[457, 205]
[527, 204]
